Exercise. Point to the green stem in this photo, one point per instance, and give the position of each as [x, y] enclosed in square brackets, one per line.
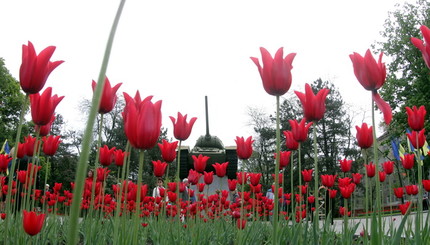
[138, 197]
[419, 214]
[46, 181]
[86, 142]
[292, 186]
[278, 154]
[376, 162]
[316, 194]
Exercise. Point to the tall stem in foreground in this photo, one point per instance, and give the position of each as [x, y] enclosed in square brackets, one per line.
[278, 154]
[316, 194]
[376, 162]
[86, 142]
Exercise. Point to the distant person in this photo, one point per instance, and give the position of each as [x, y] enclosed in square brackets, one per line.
[156, 191]
[270, 194]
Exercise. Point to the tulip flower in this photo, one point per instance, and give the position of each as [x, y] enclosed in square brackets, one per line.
[244, 147]
[342, 182]
[220, 169]
[201, 187]
[413, 138]
[303, 189]
[311, 199]
[356, 178]
[241, 224]
[181, 128]
[300, 130]
[255, 188]
[290, 142]
[382, 176]
[364, 136]
[346, 191]
[159, 168]
[193, 177]
[426, 184]
[408, 161]
[45, 129]
[423, 45]
[32, 222]
[345, 165]
[411, 190]
[332, 193]
[29, 143]
[232, 183]
[370, 170]
[208, 177]
[241, 177]
[280, 178]
[254, 178]
[416, 117]
[398, 192]
[285, 159]
[342, 211]
[102, 174]
[142, 121]
[172, 196]
[106, 155]
[168, 150]
[119, 157]
[172, 186]
[35, 69]
[328, 180]
[50, 144]
[313, 105]
[109, 97]
[307, 175]
[372, 75]
[200, 162]
[276, 72]
[388, 167]
[43, 106]
[4, 162]
[404, 207]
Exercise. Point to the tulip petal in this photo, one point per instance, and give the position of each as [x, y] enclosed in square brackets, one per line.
[384, 107]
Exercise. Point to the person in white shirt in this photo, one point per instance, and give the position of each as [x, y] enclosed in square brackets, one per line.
[156, 191]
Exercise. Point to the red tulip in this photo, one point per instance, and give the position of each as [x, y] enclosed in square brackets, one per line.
[382, 176]
[307, 175]
[142, 121]
[413, 138]
[119, 156]
[109, 97]
[220, 169]
[423, 45]
[311, 199]
[50, 144]
[172, 196]
[411, 189]
[254, 178]
[303, 189]
[371, 76]
[388, 167]
[276, 72]
[404, 207]
[280, 178]
[168, 150]
[346, 191]
[43, 106]
[3, 215]
[35, 69]
[332, 193]
[370, 170]
[244, 147]
[102, 174]
[45, 129]
[342, 211]
[256, 188]
[29, 143]
[172, 186]
[364, 136]
[241, 223]
[232, 183]
[208, 177]
[300, 130]
[193, 177]
[426, 184]
[416, 117]
[4, 162]
[290, 142]
[328, 180]
[241, 177]
[201, 187]
[200, 162]
[313, 105]
[32, 222]
[356, 178]
[181, 128]
[345, 165]
[106, 155]
[284, 160]
[159, 168]
[22, 176]
[398, 192]
[408, 161]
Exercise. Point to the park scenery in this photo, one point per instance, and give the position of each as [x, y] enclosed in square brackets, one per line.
[308, 176]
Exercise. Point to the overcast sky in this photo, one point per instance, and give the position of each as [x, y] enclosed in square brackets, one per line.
[180, 51]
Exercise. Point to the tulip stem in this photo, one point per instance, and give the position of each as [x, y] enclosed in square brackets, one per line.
[278, 154]
[316, 189]
[376, 162]
[87, 138]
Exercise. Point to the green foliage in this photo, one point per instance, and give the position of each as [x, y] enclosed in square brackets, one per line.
[408, 80]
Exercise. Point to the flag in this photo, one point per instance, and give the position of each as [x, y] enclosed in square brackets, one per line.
[5, 148]
[397, 148]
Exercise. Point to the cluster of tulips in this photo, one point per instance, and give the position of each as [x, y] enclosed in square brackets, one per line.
[142, 123]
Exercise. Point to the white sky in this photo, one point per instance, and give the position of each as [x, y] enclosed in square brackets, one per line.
[180, 51]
